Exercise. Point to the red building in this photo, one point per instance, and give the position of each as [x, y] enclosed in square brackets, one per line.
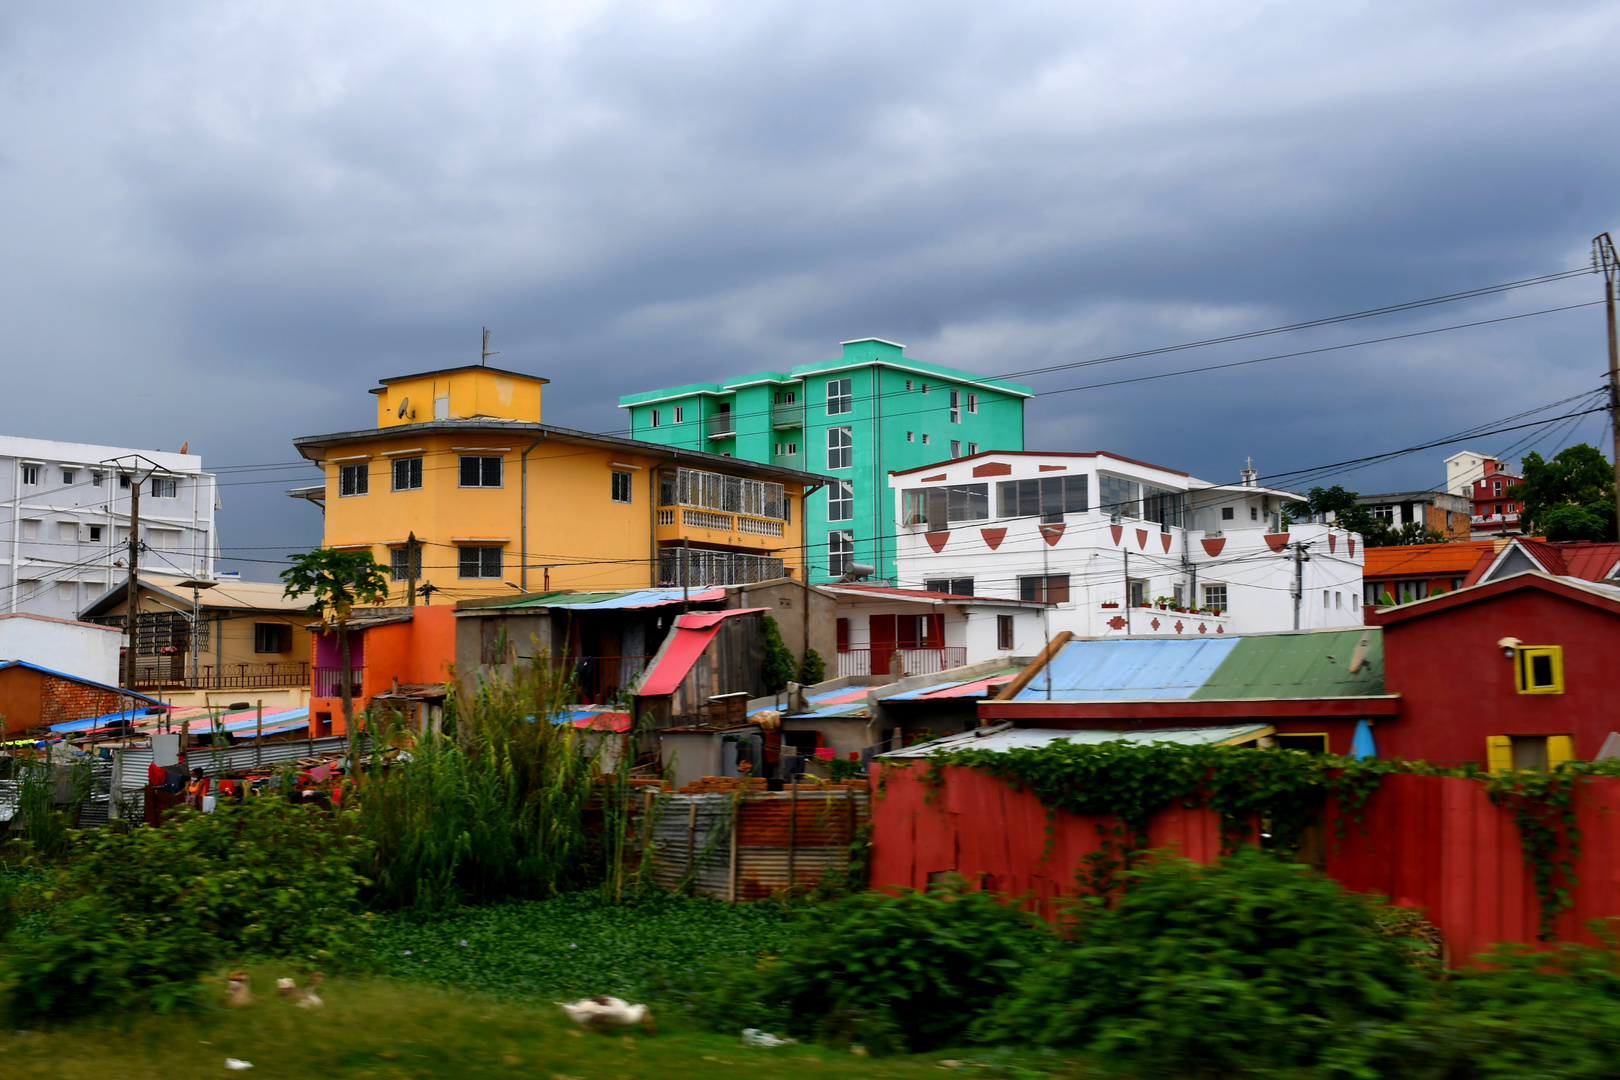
[1495, 513]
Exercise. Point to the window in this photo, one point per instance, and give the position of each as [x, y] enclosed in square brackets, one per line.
[123, 481]
[1228, 513]
[962, 586]
[30, 475]
[68, 476]
[1162, 506]
[480, 562]
[1536, 753]
[937, 507]
[1539, 669]
[840, 551]
[908, 384]
[1004, 633]
[67, 591]
[1048, 589]
[272, 637]
[956, 448]
[1457, 583]
[1385, 512]
[67, 532]
[30, 529]
[956, 406]
[680, 414]
[973, 403]
[654, 418]
[911, 436]
[1370, 592]
[97, 477]
[973, 448]
[1326, 599]
[478, 470]
[839, 447]
[164, 487]
[354, 479]
[925, 388]
[1338, 601]
[1139, 593]
[841, 501]
[1496, 487]
[95, 534]
[1050, 497]
[840, 398]
[621, 486]
[925, 438]
[1179, 594]
[785, 397]
[1215, 597]
[163, 539]
[1116, 495]
[1254, 513]
[398, 569]
[29, 588]
[407, 473]
[1408, 591]
[1314, 743]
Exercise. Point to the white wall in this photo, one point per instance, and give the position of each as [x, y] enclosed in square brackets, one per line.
[73, 648]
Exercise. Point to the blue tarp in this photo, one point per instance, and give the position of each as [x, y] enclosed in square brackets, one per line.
[1129, 669]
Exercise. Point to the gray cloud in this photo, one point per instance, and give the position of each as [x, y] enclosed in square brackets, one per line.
[228, 219]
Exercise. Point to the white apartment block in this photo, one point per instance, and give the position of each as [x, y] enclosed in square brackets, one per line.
[1464, 470]
[64, 532]
[1118, 548]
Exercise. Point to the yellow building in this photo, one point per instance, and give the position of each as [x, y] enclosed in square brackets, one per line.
[501, 501]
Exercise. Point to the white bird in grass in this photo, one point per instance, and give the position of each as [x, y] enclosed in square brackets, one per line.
[603, 1013]
[310, 999]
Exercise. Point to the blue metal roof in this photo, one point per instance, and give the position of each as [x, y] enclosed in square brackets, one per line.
[1129, 669]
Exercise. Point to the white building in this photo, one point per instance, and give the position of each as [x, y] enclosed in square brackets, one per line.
[64, 533]
[80, 649]
[1116, 547]
[929, 631]
[1464, 470]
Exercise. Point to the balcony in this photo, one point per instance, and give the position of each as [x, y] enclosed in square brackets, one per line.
[174, 673]
[788, 414]
[788, 461]
[912, 661]
[726, 523]
[722, 426]
[701, 566]
[329, 682]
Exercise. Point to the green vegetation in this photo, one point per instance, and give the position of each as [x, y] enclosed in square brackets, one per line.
[140, 915]
[1570, 497]
[337, 580]
[778, 668]
[813, 669]
[1374, 531]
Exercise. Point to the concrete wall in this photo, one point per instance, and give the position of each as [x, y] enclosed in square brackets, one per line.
[795, 607]
[75, 648]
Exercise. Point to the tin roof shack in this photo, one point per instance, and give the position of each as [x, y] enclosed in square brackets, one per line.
[32, 697]
[694, 752]
[604, 639]
[710, 654]
[387, 647]
[1314, 688]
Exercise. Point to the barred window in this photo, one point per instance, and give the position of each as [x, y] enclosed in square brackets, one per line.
[728, 494]
[478, 470]
[398, 570]
[354, 479]
[621, 486]
[480, 562]
[407, 473]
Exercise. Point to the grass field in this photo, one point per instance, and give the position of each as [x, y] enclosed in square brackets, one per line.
[381, 1027]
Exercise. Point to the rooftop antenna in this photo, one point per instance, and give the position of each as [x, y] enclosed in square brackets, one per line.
[487, 354]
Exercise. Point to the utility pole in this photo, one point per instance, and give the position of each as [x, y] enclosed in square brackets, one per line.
[1127, 605]
[131, 466]
[1604, 259]
[410, 570]
[1300, 558]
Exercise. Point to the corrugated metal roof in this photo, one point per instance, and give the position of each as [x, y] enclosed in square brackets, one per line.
[1426, 560]
[1314, 665]
[1131, 669]
[1013, 738]
[982, 686]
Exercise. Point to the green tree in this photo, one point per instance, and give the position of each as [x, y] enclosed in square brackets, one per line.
[778, 667]
[812, 669]
[338, 580]
[1374, 531]
[1570, 497]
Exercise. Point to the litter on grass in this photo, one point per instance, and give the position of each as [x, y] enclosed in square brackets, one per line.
[237, 1064]
[756, 1037]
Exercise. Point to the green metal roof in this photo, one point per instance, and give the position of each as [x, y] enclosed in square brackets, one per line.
[1300, 666]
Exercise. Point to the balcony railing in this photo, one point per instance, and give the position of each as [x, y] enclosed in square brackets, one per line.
[706, 519]
[730, 523]
[787, 415]
[174, 673]
[912, 661]
[788, 461]
[598, 679]
[721, 426]
[701, 566]
[329, 682]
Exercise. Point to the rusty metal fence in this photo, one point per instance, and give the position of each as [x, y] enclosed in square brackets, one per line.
[749, 845]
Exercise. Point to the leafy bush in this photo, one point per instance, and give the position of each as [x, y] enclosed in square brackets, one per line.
[1215, 970]
[812, 669]
[777, 669]
[148, 911]
[892, 972]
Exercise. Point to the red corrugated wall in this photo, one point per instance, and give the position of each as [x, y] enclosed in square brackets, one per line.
[1430, 842]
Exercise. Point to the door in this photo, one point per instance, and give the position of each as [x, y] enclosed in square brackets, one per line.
[883, 637]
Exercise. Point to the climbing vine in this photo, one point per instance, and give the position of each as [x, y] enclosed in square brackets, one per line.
[1279, 791]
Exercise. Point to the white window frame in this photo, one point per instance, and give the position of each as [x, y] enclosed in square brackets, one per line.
[406, 462]
[840, 396]
[956, 448]
[680, 414]
[354, 479]
[164, 487]
[840, 551]
[30, 475]
[483, 550]
[654, 419]
[956, 406]
[841, 500]
[973, 403]
[840, 444]
[622, 477]
[1209, 592]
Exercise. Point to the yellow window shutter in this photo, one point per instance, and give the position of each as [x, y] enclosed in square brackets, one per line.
[1560, 748]
[1499, 753]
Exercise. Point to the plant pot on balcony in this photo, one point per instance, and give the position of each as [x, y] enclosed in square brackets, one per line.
[1110, 604]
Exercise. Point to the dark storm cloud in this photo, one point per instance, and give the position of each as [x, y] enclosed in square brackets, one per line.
[227, 220]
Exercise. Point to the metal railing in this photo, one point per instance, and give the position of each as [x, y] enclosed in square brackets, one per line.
[788, 461]
[702, 566]
[912, 661]
[788, 415]
[597, 679]
[721, 426]
[174, 673]
[329, 681]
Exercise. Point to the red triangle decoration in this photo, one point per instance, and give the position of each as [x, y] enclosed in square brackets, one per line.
[936, 540]
[993, 537]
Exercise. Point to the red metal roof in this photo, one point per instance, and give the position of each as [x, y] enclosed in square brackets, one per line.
[1426, 560]
[692, 635]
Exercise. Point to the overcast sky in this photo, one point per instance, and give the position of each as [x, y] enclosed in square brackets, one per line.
[224, 221]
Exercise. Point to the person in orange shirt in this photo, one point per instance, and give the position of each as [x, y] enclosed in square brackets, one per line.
[196, 789]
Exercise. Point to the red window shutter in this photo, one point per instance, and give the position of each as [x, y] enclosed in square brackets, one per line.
[843, 635]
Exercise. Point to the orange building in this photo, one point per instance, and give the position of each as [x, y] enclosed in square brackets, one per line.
[400, 658]
[1414, 571]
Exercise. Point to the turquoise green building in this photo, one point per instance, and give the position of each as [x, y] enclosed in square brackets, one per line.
[857, 418]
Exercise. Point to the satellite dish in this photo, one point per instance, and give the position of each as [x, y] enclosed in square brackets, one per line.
[404, 403]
